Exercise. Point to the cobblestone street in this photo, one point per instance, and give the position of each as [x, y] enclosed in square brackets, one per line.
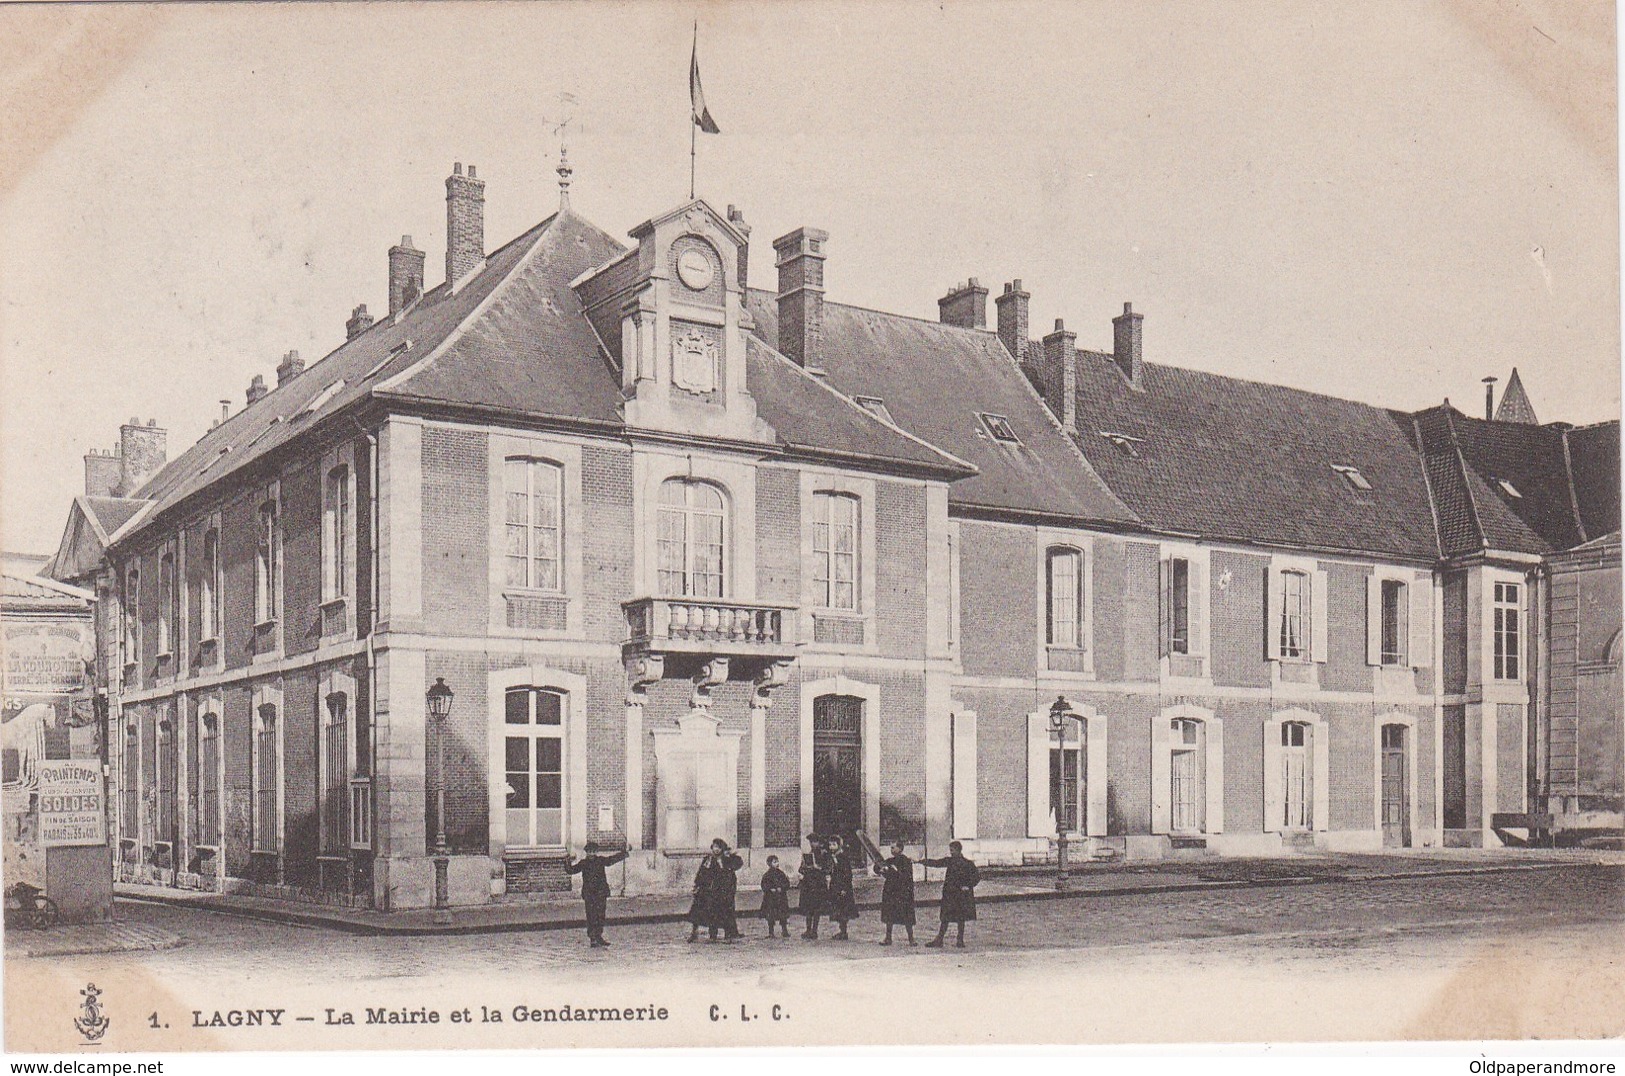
[1454, 956]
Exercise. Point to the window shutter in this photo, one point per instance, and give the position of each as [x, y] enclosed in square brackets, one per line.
[1274, 804]
[1040, 819]
[1317, 612]
[1421, 655]
[965, 776]
[1095, 763]
[1164, 639]
[1321, 747]
[1161, 793]
[1272, 615]
[1213, 776]
[1373, 620]
[1198, 606]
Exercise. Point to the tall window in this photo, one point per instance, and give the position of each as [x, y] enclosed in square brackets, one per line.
[533, 761]
[1186, 773]
[335, 762]
[1063, 577]
[165, 780]
[1508, 629]
[1295, 780]
[1294, 615]
[209, 587]
[130, 822]
[132, 617]
[535, 511]
[693, 530]
[168, 620]
[1393, 622]
[1065, 787]
[835, 550]
[265, 565]
[337, 524]
[208, 758]
[265, 775]
[1179, 602]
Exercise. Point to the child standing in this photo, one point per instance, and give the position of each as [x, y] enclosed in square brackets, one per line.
[776, 897]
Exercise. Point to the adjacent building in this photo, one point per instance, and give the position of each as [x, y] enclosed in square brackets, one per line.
[697, 559]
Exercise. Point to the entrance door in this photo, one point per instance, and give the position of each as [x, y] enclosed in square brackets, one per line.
[1396, 808]
[1295, 786]
[1185, 777]
[837, 764]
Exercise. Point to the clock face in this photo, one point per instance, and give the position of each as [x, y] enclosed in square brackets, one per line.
[695, 269]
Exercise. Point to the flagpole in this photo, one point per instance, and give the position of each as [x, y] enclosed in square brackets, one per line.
[691, 141]
[693, 121]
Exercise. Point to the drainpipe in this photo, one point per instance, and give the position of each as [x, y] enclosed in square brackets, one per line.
[1539, 781]
[372, 656]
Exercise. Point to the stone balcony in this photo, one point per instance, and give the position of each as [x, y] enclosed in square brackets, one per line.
[710, 626]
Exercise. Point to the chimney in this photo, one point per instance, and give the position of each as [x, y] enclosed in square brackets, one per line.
[103, 472]
[225, 410]
[289, 368]
[1489, 398]
[964, 306]
[256, 389]
[465, 223]
[1012, 307]
[800, 260]
[360, 321]
[1126, 344]
[1061, 375]
[142, 451]
[405, 275]
[737, 219]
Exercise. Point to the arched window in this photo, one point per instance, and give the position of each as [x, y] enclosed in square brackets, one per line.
[1297, 794]
[265, 565]
[691, 539]
[208, 587]
[335, 772]
[533, 764]
[129, 773]
[164, 780]
[266, 780]
[132, 616]
[1063, 583]
[337, 528]
[533, 490]
[1187, 773]
[835, 550]
[167, 620]
[209, 780]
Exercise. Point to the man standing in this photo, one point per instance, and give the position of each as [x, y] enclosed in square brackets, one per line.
[958, 892]
[594, 888]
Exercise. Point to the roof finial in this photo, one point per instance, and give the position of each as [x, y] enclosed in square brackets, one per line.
[561, 130]
[565, 171]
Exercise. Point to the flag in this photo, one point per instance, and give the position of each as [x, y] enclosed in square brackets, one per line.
[702, 115]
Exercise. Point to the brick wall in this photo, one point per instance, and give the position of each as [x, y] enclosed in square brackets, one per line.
[1454, 765]
[900, 573]
[778, 534]
[1109, 583]
[1128, 762]
[237, 534]
[1511, 782]
[1142, 612]
[301, 560]
[299, 733]
[606, 490]
[1455, 633]
[1352, 729]
[1345, 668]
[785, 825]
[455, 532]
[237, 728]
[468, 748]
[1243, 759]
[902, 758]
[998, 605]
[1237, 620]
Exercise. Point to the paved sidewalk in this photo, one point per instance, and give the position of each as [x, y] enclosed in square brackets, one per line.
[998, 885]
[73, 939]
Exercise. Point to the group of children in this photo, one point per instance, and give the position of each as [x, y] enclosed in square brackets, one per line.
[826, 891]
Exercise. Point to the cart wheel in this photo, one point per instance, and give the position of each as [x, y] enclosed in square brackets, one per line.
[45, 913]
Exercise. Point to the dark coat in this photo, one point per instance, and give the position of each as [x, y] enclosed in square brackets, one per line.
[958, 888]
[714, 889]
[814, 883]
[775, 895]
[897, 895]
[591, 868]
[842, 903]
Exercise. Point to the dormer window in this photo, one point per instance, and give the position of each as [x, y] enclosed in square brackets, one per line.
[1356, 481]
[1509, 489]
[999, 428]
[875, 406]
[1124, 443]
[325, 395]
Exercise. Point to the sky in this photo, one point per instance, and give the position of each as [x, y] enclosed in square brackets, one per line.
[1384, 201]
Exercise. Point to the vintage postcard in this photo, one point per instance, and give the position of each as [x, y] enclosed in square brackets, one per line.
[755, 525]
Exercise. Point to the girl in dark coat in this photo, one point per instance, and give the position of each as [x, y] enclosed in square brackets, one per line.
[776, 897]
[897, 896]
[714, 888]
[958, 892]
[814, 884]
[842, 903]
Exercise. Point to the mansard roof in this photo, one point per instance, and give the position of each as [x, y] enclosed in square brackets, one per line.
[936, 381]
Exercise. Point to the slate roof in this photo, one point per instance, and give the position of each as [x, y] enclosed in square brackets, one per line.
[1594, 462]
[1515, 405]
[935, 380]
[1224, 458]
[19, 591]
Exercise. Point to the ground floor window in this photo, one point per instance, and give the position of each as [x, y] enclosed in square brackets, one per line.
[533, 764]
[1297, 789]
[266, 770]
[209, 780]
[335, 764]
[1066, 788]
[1187, 792]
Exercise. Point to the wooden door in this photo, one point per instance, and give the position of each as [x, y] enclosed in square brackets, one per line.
[1396, 808]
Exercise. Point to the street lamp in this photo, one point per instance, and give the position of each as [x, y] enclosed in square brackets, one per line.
[1059, 712]
[439, 700]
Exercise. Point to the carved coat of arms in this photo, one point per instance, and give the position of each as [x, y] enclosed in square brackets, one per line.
[694, 362]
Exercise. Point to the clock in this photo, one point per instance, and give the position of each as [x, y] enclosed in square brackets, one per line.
[695, 269]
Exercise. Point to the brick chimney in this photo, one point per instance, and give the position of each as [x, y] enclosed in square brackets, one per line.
[103, 473]
[405, 275]
[256, 390]
[1126, 344]
[1061, 375]
[142, 451]
[737, 219]
[964, 306]
[289, 368]
[800, 260]
[1013, 327]
[465, 223]
[360, 321]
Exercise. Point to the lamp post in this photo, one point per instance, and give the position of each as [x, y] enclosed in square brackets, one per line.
[1059, 711]
[439, 701]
